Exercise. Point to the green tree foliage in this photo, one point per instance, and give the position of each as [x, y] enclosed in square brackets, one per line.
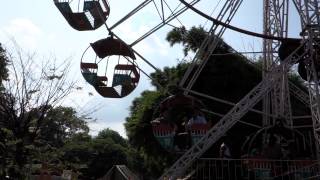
[60, 124]
[190, 39]
[35, 129]
[140, 135]
[3, 65]
[112, 135]
[168, 77]
[93, 157]
[27, 97]
[42, 145]
[4, 133]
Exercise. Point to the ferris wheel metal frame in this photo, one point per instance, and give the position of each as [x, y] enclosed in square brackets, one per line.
[275, 13]
[274, 89]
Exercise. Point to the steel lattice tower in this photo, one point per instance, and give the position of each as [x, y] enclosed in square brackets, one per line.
[275, 23]
[309, 11]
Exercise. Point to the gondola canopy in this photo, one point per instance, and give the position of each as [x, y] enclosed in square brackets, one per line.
[87, 15]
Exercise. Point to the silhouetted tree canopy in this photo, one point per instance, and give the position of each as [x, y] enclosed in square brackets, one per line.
[3, 64]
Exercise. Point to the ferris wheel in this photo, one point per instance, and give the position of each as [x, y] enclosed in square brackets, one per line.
[273, 91]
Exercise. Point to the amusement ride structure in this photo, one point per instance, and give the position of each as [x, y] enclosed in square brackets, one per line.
[280, 54]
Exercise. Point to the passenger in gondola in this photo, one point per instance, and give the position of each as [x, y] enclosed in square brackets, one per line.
[227, 164]
[225, 151]
[179, 109]
[197, 118]
[273, 149]
[161, 120]
[181, 137]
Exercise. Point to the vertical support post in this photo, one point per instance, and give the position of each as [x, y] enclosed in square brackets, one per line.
[309, 11]
[275, 23]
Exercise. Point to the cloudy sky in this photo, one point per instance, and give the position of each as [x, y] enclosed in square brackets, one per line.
[38, 26]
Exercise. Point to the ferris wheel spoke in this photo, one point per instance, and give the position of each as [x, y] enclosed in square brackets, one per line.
[131, 13]
[163, 23]
[215, 33]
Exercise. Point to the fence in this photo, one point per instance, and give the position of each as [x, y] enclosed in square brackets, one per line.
[254, 169]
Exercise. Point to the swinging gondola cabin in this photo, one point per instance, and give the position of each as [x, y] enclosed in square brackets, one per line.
[84, 15]
[177, 126]
[112, 70]
[278, 146]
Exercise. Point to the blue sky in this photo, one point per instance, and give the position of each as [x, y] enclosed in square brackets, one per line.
[38, 26]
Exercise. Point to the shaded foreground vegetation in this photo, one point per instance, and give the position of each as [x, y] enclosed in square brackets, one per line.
[36, 131]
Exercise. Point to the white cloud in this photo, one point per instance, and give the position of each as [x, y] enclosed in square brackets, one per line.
[148, 46]
[95, 127]
[24, 31]
[162, 46]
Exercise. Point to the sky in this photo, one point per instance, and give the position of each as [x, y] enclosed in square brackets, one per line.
[37, 26]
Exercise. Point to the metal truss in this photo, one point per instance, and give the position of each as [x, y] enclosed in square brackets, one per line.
[231, 118]
[309, 13]
[310, 23]
[210, 43]
[275, 23]
[299, 94]
[166, 18]
[275, 80]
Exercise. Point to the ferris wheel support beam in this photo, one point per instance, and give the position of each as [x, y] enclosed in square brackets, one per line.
[164, 22]
[231, 118]
[299, 94]
[215, 33]
[309, 11]
[131, 13]
[222, 101]
[275, 23]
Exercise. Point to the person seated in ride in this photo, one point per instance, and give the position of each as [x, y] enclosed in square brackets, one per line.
[163, 121]
[225, 152]
[197, 118]
[273, 149]
[182, 138]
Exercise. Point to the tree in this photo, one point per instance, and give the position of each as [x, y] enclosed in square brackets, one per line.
[30, 92]
[3, 64]
[60, 124]
[3, 76]
[113, 135]
[93, 157]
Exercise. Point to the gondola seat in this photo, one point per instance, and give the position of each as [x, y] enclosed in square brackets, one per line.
[197, 131]
[164, 134]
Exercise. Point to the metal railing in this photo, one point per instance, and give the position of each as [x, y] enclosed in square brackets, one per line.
[253, 169]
